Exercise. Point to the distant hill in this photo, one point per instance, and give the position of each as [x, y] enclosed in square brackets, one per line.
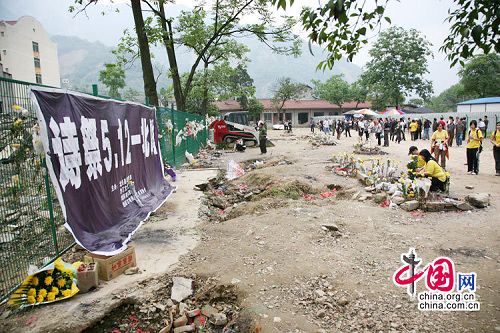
[81, 60]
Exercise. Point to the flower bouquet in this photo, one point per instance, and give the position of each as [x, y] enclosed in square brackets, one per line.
[54, 282]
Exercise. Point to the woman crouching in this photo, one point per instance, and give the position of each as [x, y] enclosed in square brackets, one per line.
[434, 171]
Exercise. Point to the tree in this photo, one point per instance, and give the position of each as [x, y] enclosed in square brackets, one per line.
[359, 92]
[243, 84]
[284, 90]
[448, 99]
[481, 76]
[130, 94]
[225, 23]
[335, 90]
[166, 96]
[343, 26]
[416, 102]
[397, 66]
[255, 108]
[475, 25]
[113, 77]
[147, 68]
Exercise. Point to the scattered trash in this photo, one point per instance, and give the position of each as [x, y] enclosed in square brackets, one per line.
[234, 170]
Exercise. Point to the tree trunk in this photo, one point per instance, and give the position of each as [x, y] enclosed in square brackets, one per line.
[147, 67]
[204, 104]
[168, 40]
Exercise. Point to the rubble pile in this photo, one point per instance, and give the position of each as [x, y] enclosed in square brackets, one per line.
[322, 139]
[206, 158]
[252, 193]
[179, 304]
[366, 148]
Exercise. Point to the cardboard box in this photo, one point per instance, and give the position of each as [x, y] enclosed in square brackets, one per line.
[110, 267]
[88, 278]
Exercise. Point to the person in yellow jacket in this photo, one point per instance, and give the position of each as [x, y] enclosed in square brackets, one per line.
[420, 160]
[495, 140]
[434, 171]
[439, 144]
[474, 141]
[413, 129]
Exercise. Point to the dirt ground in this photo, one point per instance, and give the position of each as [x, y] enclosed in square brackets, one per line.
[292, 275]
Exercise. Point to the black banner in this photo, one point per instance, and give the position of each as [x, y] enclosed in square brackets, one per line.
[104, 160]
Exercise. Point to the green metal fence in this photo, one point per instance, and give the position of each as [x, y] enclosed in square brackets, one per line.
[31, 220]
[180, 132]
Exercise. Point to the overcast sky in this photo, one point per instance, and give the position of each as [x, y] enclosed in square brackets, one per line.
[426, 16]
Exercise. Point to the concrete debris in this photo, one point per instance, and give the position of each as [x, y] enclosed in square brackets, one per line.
[479, 200]
[410, 205]
[181, 289]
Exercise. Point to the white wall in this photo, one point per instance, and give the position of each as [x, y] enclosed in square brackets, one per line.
[19, 58]
[494, 107]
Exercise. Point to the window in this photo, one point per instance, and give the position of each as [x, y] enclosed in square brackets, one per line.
[38, 78]
[37, 63]
[35, 47]
[268, 117]
[319, 114]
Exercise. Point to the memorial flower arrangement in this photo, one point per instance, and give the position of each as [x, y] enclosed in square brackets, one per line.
[54, 282]
[412, 167]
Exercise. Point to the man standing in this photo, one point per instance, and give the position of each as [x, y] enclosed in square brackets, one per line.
[311, 123]
[434, 125]
[451, 131]
[387, 130]
[263, 137]
[347, 128]
[427, 128]
[481, 125]
[459, 132]
[486, 121]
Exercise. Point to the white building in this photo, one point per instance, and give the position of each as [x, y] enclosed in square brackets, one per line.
[488, 104]
[27, 53]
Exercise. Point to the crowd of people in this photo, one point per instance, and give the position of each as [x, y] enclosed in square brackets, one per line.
[442, 133]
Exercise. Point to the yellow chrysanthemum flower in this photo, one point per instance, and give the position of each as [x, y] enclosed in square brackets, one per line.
[51, 297]
[42, 292]
[66, 292]
[61, 283]
[32, 292]
[31, 299]
[55, 290]
[48, 280]
[39, 298]
[34, 281]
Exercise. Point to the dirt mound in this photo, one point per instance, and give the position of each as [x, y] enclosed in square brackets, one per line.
[294, 189]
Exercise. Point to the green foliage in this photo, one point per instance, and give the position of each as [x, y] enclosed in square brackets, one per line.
[447, 100]
[416, 101]
[335, 90]
[481, 76]
[166, 96]
[113, 77]
[255, 108]
[284, 90]
[475, 26]
[130, 94]
[359, 92]
[341, 26]
[397, 66]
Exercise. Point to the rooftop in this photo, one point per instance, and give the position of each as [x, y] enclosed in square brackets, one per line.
[316, 104]
[486, 100]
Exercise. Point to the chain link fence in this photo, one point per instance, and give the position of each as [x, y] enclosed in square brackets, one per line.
[32, 228]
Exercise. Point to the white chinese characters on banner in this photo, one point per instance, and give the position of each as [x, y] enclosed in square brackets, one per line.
[66, 145]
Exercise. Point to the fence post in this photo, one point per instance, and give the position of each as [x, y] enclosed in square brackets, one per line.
[51, 208]
[173, 134]
[95, 90]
